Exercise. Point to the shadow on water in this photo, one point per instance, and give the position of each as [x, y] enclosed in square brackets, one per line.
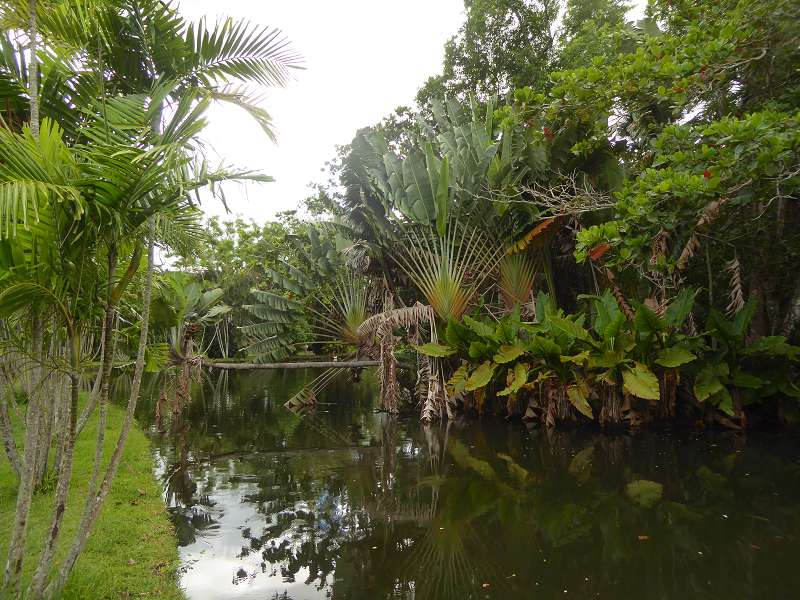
[349, 504]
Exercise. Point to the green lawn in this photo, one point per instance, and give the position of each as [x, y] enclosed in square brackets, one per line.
[132, 552]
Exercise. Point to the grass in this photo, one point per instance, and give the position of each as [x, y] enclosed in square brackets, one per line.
[132, 552]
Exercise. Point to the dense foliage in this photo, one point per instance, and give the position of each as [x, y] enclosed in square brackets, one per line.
[642, 175]
[583, 218]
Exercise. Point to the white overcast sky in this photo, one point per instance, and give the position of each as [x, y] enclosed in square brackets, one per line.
[362, 59]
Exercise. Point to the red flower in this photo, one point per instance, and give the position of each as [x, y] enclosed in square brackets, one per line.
[547, 133]
[598, 251]
[702, 74]
[707, 174]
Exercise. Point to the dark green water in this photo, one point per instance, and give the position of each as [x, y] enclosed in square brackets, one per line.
[349, 504]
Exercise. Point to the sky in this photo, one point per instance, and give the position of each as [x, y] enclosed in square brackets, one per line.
[362, 59]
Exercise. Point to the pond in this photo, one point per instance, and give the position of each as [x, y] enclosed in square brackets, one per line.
[347, 503]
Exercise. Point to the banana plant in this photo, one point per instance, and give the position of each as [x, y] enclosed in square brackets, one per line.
[181, 311]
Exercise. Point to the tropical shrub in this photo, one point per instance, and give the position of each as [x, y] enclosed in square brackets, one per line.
[615, 369]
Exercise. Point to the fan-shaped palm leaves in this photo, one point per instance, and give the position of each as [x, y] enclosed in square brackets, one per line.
[450, 270]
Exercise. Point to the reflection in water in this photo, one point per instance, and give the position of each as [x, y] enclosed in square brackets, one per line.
[351, 504]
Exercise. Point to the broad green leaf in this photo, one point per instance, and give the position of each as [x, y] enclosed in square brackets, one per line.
[435, 350]
[773, 345]
[641, 382]
[741, 322]
[481, 376]
[746, 380]
[607, 360]
[517, 378]
[645, 493]
[543, 346]
[478, 350]
[442, 197]
[458, 381]
[680, 307]
[707, 383]
[456, 335]
[507, 353]
[572, 328]
[576, 359]
[724, 401]
[577, 395]
[674, 356]
[482, 329]
[647, 323]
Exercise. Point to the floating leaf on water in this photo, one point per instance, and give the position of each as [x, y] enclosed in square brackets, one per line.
[644, 492]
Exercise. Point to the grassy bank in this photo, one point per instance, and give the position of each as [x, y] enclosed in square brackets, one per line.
[132, 553]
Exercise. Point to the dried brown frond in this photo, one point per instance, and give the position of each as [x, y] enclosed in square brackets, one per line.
[387, 374]
[539, 235]
[306, 398]
[403, 318]
[659, 247]
[357, 256]
[735, 292]
[431, 407]
[709, 215]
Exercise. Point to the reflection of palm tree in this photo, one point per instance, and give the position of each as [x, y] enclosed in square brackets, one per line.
[447, 563]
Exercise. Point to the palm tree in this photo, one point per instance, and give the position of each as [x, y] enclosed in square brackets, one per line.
[101, 181]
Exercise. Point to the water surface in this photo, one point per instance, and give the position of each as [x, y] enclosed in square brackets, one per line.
[349, 504]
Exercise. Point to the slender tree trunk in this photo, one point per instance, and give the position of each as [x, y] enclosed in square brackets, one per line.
[16, 547]
[93, 504]
[9, 444]
[98, 379]
[43, 441]
[19, 531]
[33, 73]
[68, 438]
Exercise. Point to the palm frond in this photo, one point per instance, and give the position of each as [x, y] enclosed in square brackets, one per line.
[517, 274]
[238, 50]
[450, 270]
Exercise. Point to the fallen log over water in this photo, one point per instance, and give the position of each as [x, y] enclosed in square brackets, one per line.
[332, 364]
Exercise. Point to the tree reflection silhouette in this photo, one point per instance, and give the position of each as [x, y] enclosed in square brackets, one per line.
[367, 506]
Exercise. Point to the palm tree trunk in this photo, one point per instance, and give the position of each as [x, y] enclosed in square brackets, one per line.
[16, 546]
[68, 437]
[93, 504]
[43, 443]
[33, 73]
[9, 444]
